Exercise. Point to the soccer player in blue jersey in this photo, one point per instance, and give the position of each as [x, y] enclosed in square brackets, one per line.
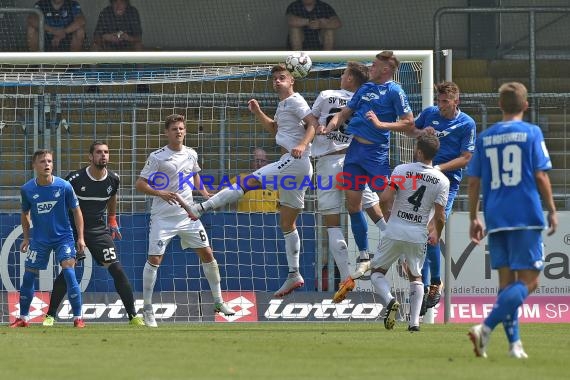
[456, 132]
[378, 107]
[509, 167]
[46, 200]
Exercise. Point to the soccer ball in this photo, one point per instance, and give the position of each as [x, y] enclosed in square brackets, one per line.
[299, 64]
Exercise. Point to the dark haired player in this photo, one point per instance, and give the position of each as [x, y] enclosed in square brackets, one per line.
[96, 188]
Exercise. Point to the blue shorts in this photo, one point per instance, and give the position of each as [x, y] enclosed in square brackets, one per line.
[517, 249]
[38, 254]
[365, 164]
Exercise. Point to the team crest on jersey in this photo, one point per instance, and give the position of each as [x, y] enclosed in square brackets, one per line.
[109, 189]
[370, 96]
[57, 193]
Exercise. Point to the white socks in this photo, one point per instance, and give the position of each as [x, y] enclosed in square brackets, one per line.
[381, 287]
[292, 249]
[416, 298]
[149, 279]
[339, 250]
[212, 273]
[223, 197]
[381, 224]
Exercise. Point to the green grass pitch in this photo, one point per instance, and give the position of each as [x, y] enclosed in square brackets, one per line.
[275, 351]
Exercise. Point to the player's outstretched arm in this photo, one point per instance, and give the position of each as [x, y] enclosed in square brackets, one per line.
[476, 231]
[268, 123]
[78, 218]
[26, 223]
[338, 119]
[143, 186]
[545, 189]
[438, 221]
[112, 223]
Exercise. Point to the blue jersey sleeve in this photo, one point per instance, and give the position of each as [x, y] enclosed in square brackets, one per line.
[71, 200]
[400, 101]
[421, 119]
[474, 166]
[541, 157]
[24, 200]
[468, 139]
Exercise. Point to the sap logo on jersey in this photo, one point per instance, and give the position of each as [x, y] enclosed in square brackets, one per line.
[45, 207]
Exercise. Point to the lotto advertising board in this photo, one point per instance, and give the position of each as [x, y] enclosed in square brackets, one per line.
[199, 306]
[108, 307]
[185, 307]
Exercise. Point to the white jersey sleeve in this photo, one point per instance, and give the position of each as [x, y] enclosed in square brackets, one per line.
[150, 167]
[419, 187]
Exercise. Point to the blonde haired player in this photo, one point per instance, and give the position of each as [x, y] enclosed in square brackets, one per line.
[294, 127]
[161, 178]
[415, 194]
[330, 150]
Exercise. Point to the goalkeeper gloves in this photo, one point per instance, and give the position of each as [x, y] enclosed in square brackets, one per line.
[114, 227]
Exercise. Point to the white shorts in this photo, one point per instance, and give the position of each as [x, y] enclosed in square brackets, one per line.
[192, 234]
[291, 176]
[329, 198]
[390, 250]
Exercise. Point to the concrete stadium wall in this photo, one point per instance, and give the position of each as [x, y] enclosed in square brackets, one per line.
[368, 24]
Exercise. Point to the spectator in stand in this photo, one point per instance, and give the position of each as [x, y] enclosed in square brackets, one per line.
[118, 29]
[64, 26]
[312, 24]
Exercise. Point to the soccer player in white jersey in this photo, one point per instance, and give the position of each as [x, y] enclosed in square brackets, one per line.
[293, 127]
[509, 166]
[330, 149]
[415, 194]
[169, 175]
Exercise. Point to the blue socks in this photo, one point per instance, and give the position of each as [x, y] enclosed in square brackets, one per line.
[73, 290]
[433, 261]
[27, 290]
[506, 308]
[511, 325]
[359, 230]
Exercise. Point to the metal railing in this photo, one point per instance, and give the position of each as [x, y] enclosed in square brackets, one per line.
[41, 22]
[531, 11]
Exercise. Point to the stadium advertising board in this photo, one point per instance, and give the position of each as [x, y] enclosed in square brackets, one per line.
[473, 309]
[471, 273]
[108, 307]
[184, 307]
